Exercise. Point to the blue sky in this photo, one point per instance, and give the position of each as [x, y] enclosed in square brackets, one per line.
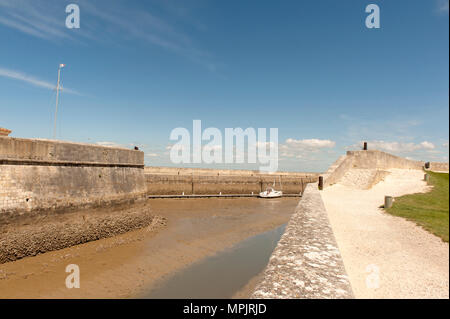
[138, 69]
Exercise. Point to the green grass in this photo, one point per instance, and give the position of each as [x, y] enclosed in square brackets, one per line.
[429, 210]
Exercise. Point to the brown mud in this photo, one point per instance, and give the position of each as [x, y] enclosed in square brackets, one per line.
[125, 265]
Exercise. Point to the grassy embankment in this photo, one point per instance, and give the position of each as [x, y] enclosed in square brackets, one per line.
[429, 210]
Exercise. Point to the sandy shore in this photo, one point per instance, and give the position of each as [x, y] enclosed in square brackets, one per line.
[126, 265]
[386, 256]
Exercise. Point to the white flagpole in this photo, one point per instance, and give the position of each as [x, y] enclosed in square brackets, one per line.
[57, 98]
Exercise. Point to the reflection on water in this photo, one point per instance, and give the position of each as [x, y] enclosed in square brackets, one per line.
[222, 275]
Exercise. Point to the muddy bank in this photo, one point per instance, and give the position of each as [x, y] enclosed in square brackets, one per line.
[127, 265]
[34, 235]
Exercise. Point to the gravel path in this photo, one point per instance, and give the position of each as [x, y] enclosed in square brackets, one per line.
[386, 256]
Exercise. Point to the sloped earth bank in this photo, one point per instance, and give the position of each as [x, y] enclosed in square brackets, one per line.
[362, 178]
[126, 265]
[386, 256]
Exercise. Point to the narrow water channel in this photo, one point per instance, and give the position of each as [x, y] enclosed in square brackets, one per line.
[221, 275]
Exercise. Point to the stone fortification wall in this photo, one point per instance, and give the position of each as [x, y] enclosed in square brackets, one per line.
[37, 175]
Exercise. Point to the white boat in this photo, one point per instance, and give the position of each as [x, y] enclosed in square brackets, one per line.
[270, 192]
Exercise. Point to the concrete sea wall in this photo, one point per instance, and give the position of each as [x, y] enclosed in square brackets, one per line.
[337, 170]
[50, 152]
[370, 159]
[216, 172]
[42, 175]
[306, 262]
[176, 181]
[439, 167]
[374, 159]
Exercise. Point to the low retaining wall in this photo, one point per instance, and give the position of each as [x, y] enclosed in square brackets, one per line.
[439, 167]
[37, 175]
[169, 184]
[306, 262]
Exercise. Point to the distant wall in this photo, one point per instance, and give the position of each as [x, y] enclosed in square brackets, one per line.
[439, 167]
[38, 175]
[176, 181]
[217, 172]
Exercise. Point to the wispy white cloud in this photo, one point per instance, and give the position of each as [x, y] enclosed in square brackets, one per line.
[149, 152]
[304, 148]
[145, 26]
[427, 145]
[110, 144]
[398, 147]
[114, 22]
[20, 76]
[152, 155]
[418, 151]
[374, 129]
[9, 22]
[443, 6]
[181, 11]
[310, 143]
[36, 18]
[212, 148]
